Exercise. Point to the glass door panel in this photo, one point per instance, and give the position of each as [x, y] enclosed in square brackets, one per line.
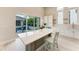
[37, 23]
[30, 23]
[73, 16]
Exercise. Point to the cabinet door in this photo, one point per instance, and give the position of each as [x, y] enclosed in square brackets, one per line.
[39, 42]
[33, 46]
[30, 47]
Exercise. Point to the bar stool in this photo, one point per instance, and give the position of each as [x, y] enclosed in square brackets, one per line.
[52, 42]
[55, 42]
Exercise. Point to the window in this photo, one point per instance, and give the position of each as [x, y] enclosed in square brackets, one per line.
[27, 23]
[33, 23]
[30, 23]
[73, 16]
[37, 23]
[20, 24]
[60, 16]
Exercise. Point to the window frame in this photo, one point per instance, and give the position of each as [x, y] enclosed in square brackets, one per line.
[22, 25]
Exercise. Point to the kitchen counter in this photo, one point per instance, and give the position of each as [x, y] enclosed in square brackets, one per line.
[32, 36]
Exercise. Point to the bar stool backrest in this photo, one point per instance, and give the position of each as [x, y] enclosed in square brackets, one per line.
[55, 42]
[56, 36]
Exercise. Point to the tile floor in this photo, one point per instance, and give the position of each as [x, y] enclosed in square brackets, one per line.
[68, 44]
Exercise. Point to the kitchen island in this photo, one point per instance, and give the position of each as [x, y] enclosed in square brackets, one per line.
[28, 41]
[34, 39]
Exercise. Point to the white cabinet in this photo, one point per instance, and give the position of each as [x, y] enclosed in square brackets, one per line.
[41, 21]
[49, 21]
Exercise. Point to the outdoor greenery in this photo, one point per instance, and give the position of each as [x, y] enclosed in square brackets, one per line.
[30, 21]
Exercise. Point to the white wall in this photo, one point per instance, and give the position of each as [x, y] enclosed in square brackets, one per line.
[8, 20]
[32, 11]
[78, 15]
[7, 23]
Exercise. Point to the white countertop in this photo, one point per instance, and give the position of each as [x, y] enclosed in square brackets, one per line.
[32, 36]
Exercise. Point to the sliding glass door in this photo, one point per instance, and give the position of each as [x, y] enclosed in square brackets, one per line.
[60, 17]
[30, 23]
[36, 23]
[20, 24]
[73, 16]
[27, 23]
